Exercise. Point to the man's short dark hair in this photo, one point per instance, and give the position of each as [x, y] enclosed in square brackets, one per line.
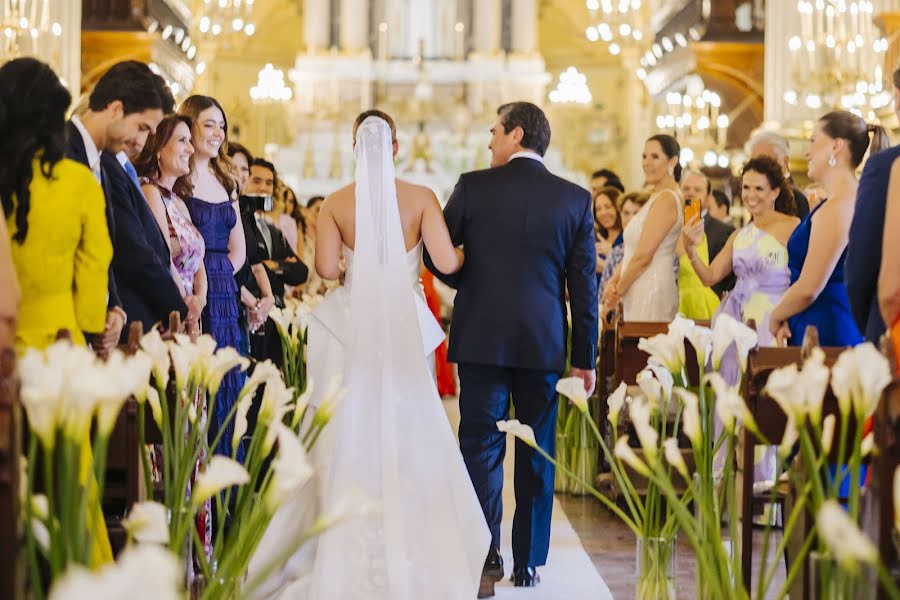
[721, 199]
[135, 85]
[532, 120]
[897, 78]
[261, 162]
[612, 179]
[237, 148]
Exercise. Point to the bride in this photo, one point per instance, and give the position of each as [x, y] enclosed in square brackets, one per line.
[390, 437]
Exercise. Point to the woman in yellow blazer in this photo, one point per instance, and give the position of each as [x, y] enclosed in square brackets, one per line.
[56, 222]
[55, 211]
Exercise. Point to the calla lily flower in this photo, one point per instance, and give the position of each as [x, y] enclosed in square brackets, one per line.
[290, 468]
[701, 339]
[615, 402]
[155, 407]
[789, 439]
[843, 538]
[240, 420]
[330, 403]
[814, 377]
[302, 404]
[520, 430]
[730, 405]
[355, 503]
[674, 457]
[785, 387]
[624, 453]
[646, 432]
[828, 433]
[275, 401]
[664, 377]
[263, 372]
[666, 348]
[573, 389]
[224, 360]
[41, 394]
[678, 331]
[147, 522]
[867, 446]
[691, 415]
[651, 388]
[153, 344]
[220, 473]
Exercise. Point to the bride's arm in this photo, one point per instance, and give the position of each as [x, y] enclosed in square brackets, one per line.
[328, 244]
[444, 256]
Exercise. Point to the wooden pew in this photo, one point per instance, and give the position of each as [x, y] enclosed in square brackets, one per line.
[12, 564]
[886, 461]
[772, 422]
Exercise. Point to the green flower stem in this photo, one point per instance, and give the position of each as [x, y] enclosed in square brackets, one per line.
[53, 525]
[799, 561]
[631, 497]
[855, 469]
[142, 447]
[842, 448]
[37, 587]
[887, 582]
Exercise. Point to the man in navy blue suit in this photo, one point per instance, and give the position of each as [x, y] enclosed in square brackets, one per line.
[528, 237]
[866, 236]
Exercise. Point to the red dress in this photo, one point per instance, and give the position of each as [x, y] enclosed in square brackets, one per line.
[446, 381]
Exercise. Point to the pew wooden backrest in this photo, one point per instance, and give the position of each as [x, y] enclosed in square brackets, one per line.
[772, 422]
[886, 461]
[11, 560]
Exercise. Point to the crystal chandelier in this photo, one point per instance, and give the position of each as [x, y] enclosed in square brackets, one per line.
[270, 86]
[694, 118]
[223, 17]
[571, 89]
[838, 58]
[618, 23]
[25, 25]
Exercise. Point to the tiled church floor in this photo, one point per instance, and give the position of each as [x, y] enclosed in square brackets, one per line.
[611, 547]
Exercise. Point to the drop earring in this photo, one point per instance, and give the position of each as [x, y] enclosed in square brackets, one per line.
[832, 161]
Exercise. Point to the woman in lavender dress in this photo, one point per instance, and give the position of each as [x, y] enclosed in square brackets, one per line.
[164, 166]
[214, 211]
[757, 255]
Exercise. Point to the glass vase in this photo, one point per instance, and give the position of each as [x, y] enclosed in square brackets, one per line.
[561, 481]
[828, 580]
[583, 457]
[655, 568]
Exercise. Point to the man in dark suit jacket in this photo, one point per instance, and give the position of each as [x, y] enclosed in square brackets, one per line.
[125, 106]
[863, 264]
[268, 245]
[528, 236]
[695, 184]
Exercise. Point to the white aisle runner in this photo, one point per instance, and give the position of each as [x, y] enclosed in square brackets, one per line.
[569, 573]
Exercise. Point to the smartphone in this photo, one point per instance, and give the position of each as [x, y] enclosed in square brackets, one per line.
[691, 209]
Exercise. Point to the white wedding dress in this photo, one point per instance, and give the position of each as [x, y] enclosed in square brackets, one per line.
[654, 295]
[390, 438]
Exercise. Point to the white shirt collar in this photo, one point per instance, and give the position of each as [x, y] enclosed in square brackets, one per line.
[93, 155]
[122, 158]
[528, 154]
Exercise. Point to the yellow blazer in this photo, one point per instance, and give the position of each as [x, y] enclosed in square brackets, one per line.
[62, 265]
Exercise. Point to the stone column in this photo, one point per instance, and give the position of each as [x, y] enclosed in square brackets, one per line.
[524, 26]
[354, 25]
[316, 24]
[68, 60]
[487, 22]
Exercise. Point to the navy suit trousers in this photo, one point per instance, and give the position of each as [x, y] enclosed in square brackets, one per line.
[486, 392]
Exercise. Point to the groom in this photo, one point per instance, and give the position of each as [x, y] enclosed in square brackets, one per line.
[528, 235]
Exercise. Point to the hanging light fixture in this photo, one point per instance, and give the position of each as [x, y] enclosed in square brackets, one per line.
[24, 27]
[694, 117]
[615, 22]
[270, 86]
[838, 58]
[219, 18]
[572, 88]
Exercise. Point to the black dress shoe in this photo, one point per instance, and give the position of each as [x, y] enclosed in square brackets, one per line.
[525, 577]
[491, 574]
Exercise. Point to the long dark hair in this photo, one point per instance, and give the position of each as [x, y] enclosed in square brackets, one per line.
[671, 148]
[844, 125]
[774, 174]
[33, 106]
[221, 164]
[147, 164]
[613, 195]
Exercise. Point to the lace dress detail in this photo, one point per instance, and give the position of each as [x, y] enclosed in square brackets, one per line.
[654, 295]
[220, 317]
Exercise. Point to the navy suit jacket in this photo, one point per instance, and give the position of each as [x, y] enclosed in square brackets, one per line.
[76, 151]
[863, 262]
[141, 260]
[527, 235]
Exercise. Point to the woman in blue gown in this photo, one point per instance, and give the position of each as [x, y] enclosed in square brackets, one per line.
[214, 210]
[817, 249]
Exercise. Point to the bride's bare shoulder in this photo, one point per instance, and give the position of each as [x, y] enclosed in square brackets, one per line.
[342, 195]
[413, 193]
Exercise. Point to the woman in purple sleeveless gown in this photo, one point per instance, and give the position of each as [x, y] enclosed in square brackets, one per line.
[214, 211]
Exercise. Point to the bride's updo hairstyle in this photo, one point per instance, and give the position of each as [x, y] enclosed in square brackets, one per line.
[375, 113]
[844, 125]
